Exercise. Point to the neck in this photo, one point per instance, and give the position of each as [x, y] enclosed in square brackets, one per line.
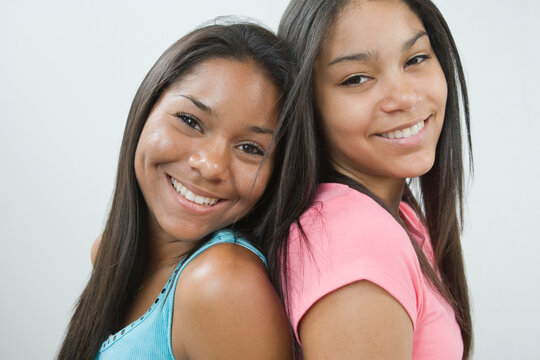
[392, 196]
[163, 250]
[388, 190]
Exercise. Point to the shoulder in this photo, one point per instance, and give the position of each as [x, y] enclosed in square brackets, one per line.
[340, 215]
[95, 248]
[340, 203]
[349, 237]
[224, 299]
[224, 265]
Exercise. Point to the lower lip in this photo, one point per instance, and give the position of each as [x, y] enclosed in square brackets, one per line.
[193, 207]
[411, 141]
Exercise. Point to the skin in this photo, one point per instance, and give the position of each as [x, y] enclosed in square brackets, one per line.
[376, 73]
[202, 133]
[392, 88]
[95, 247]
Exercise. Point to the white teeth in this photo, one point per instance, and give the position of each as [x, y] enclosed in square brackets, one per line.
[197, 199]
[404, 133]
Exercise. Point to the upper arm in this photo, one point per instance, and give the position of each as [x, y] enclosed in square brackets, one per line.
[357, 321]
[226, 307]
[95, 248]
[355, 285]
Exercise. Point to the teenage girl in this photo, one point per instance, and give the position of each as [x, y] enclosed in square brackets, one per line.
[173, 278]
[370, 269]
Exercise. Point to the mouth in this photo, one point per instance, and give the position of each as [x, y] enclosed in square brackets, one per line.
[406, 132]
[191, 196]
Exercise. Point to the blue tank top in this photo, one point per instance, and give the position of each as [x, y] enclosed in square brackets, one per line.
[149, 337]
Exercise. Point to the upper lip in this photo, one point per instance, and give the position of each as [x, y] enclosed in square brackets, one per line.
[405, 126]
[196, 190]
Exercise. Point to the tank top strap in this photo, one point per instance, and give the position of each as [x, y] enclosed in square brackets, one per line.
[149, 337]
[219, 237]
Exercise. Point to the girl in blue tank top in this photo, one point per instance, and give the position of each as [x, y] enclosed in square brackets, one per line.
[174, 276]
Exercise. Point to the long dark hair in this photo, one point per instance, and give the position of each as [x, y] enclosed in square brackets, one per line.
[122, 254]
[304, 25]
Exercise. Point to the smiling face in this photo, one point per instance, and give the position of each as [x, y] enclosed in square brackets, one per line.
[380, 94]
[199, 160]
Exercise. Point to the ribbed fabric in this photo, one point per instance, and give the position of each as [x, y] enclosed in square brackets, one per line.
[149, 337]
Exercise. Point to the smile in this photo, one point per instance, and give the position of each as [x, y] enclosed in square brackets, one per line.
[189, 195]
[404, 133]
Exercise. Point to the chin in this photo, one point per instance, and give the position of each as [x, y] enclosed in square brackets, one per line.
[181, 231]
[415, 171]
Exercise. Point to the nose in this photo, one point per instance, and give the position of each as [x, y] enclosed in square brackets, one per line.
[211, 160]
[400, 94]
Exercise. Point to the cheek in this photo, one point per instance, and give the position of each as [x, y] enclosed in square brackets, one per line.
[156, 144]
[264, 176]
[342, 114]
[253, 185]
[139, 161]
[439, 88]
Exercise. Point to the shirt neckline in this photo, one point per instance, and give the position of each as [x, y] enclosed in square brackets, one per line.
[159, 300]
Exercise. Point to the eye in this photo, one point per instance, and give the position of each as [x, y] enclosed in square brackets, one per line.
[415, 60]
[355, 80]
[190, 121]
[251, 148]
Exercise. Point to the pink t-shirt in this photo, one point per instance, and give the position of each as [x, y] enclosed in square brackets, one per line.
[350, 238]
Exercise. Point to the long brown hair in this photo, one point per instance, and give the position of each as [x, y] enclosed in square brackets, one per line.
[303, 26]
[122, 253]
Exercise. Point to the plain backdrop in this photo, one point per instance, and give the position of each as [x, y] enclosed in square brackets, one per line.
[68, 73]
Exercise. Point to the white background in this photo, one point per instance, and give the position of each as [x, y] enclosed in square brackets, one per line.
[68, 73]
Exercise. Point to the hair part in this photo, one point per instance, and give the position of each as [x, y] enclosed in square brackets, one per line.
[304, 26]
[121, 257]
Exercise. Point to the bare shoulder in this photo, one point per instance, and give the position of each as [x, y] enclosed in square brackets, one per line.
[94, 250]
[359, 320]
[225, 305]
[228, 259]
[224, 271]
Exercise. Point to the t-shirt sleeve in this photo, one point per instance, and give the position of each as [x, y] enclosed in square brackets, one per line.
[350, 238]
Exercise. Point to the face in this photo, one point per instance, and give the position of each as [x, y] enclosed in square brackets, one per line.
[199, 160]
[380, 93]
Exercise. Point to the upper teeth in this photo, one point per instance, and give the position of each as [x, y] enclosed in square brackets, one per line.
[182, 190]
[404, 133]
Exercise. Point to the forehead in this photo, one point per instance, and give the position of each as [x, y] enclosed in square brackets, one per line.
[370, 24]
[228, 87]
[218, 77]
[219, 72]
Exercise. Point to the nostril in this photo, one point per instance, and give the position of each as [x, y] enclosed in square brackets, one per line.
[210, 166]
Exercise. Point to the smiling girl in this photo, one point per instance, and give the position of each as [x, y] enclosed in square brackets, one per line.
[369, 270]
[173, 278]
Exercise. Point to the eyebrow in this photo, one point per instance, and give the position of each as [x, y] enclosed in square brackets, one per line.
[370, 55]
[198, 103]
[409, 43]
[361, 56]
[260, 130]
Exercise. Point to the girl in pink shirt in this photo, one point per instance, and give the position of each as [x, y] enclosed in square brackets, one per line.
[369, 270]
